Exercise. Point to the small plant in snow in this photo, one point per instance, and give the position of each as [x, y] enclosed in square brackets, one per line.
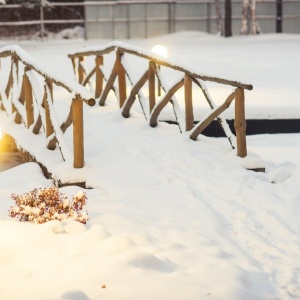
[47, 204]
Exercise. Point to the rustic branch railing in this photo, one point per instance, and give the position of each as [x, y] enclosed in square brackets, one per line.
[154, 103]
[28, 99]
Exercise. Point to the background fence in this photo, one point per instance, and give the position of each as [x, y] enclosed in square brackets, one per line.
[137, 19]
[34, 19]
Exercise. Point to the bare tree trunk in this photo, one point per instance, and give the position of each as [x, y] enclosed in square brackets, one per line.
[245, 20]
[219, 17]
[249, 22]
[279, 16]
[255, 26]
[228, 27]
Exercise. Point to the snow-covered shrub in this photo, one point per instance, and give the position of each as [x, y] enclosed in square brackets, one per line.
[43, 205]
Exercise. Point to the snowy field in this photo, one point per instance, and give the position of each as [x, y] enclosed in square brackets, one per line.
[170, 218]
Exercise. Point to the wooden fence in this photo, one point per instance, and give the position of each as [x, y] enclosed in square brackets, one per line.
[101, 82]
[138, 18]
[28, 99]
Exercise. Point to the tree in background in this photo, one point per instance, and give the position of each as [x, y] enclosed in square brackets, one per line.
[249, 22]
[278, 16]
[219, 17]
[36, 10]
[228, 25]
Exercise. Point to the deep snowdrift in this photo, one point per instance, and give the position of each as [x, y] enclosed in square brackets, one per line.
[169, 218]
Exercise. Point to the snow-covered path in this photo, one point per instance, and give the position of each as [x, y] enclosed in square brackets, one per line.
[170, 218]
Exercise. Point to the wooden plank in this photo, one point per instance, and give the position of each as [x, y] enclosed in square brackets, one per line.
[203, 124]
[99, 76]
[121, 78]
[189, 114]
[135, 89]
[15, 83]
[109, 84]
[173, 101]
[9, 84]
[74, 65]
[18, 118]
[77, 108]
[68, 121]
[37, 126]
[50, 86]
[28, 101]
[88, 77]
[151, 81]
[166, 99]
[80, 70]
[221, 120]
[158, 83]
[240, 123]
[49, 128]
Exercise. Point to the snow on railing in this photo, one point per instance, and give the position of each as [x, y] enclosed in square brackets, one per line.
[152, 106]
[27, 97]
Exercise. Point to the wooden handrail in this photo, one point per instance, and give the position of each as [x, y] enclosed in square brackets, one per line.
[29, 62]
[147, 55]
[121, 69]
[240, 123]
[34, 97]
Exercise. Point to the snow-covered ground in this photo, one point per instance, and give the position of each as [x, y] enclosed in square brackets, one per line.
[170, 218]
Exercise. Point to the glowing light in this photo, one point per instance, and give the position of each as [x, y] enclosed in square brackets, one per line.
[1, 134]
[160, 50]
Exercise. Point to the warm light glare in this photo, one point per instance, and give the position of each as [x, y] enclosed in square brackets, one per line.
[160, 50]
[1, 134]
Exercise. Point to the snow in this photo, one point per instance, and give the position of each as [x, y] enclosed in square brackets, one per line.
[151, 54]
[169, 218]
[69, 83]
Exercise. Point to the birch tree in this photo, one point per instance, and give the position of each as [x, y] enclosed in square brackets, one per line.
[219, 17]
[249, 22]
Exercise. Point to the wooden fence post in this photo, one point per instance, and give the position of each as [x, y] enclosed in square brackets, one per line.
[151, 80]
[28, 101]
[9, 83]
[49, 128]
[21, 99]
[77, 110]
[99, 77]
[80, 70]
[121, 78]
[189, 115]
[240, 123]
[15, 82]
[50, 86]
[158, 83]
